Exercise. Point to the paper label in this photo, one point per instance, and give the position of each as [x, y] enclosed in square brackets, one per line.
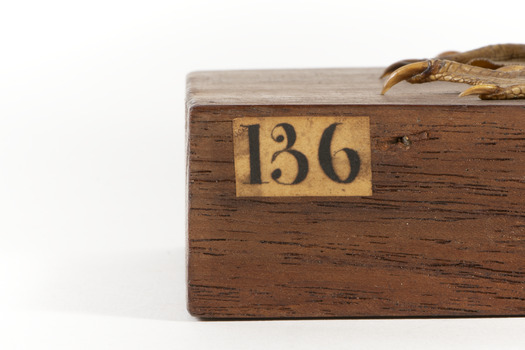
[302, 156]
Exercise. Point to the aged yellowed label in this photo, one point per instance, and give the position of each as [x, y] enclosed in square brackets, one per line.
[302, 156]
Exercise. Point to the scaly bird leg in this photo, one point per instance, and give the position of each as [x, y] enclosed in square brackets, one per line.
[492, 56]
[489, 84]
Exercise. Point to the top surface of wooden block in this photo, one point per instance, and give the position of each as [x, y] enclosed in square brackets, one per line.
[343, 86]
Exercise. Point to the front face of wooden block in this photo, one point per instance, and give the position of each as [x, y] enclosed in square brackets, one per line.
[443, 232]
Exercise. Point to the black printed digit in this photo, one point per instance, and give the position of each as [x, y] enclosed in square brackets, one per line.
[302, 161]
[255, 153]
[325, 157]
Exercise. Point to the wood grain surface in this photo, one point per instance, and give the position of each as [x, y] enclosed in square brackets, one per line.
[442, 235]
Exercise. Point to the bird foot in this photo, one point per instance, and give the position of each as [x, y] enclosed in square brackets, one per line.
[495, 71]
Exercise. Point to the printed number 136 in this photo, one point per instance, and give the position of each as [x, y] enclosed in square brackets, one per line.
[324, 155]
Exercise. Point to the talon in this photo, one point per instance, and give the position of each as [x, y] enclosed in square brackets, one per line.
[484, 63]
[405, 72]
[397, 65]
[483, 89]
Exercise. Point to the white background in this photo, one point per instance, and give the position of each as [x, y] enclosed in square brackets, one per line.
[92, 203]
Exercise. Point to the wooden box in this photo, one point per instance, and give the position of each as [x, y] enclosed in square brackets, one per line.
[311, 195]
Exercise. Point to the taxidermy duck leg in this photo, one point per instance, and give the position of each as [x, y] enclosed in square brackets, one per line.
[497, 71]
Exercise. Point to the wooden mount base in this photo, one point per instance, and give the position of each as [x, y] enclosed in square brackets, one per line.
[443, 233]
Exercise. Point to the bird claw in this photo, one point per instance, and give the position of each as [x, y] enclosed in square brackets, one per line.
[409, 72]
[495, 92]
[481, 90]
[394, 66]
